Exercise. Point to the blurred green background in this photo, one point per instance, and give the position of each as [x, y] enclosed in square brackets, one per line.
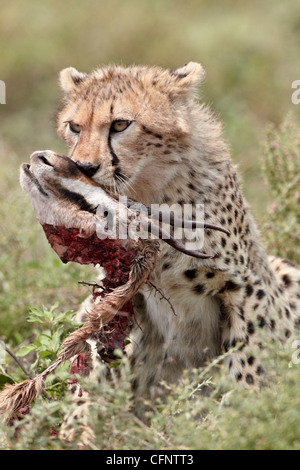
[250, 50]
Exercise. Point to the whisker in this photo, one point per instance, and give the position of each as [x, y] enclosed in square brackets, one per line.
[125, 182]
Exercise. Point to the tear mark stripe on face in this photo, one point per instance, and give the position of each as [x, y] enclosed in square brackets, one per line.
[73, 149]
[115, 159]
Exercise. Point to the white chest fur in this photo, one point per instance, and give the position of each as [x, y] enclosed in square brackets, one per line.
[192, 332]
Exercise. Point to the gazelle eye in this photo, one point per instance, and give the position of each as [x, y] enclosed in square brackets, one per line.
[74, 127]
[120, 126]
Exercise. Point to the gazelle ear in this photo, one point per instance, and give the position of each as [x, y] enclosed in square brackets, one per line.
[187, 78]
[70, 78]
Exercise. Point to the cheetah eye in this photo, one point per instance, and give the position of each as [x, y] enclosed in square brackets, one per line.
[75, 128]
[120, 126]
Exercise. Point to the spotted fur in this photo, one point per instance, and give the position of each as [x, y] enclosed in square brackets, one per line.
[173, 151]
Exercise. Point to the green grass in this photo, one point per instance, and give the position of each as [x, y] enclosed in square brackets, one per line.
[282, 170]
[250, 51]
[228, 419]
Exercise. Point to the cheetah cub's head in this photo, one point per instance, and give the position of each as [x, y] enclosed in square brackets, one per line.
[127, 128]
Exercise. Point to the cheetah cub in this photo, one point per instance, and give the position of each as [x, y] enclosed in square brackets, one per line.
[141, 132]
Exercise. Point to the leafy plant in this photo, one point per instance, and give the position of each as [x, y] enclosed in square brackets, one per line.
[55, 327]
[51, 329]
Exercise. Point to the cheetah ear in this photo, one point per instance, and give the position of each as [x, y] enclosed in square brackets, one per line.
[187, 78]
[70, 78]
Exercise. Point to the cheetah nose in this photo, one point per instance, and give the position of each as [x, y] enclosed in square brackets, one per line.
[89, 169]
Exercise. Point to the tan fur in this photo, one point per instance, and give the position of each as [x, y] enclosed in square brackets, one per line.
[173, 152]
